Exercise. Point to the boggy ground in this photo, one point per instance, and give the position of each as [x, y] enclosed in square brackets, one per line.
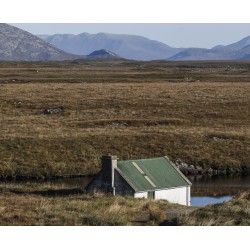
[197, 112]
[40, 205]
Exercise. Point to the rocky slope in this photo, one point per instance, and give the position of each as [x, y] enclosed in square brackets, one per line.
[19, 45]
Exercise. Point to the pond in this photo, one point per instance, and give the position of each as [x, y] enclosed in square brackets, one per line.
[206, 200]
[216, 189]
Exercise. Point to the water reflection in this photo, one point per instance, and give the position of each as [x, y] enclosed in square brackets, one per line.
[80, 182]
[216, 189]
[219, 185]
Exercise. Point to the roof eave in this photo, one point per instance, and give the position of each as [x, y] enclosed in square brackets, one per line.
[158, 189]
[178, 170]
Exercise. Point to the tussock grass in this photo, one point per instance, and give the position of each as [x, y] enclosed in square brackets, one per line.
[32, 204]
[232, 213]
[132, 109]
[56, 204]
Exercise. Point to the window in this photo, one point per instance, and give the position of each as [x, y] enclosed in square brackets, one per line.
[151, 194]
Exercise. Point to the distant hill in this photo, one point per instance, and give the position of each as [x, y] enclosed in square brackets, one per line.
[240, 44]
[242, 54]
[203, 54]
[17, 44]
[103, 54]
[235, 51]
[126, 46]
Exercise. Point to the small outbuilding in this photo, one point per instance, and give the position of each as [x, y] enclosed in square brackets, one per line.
[155, 178]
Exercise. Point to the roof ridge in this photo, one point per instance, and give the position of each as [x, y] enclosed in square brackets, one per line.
[142, 159]
[143, 174]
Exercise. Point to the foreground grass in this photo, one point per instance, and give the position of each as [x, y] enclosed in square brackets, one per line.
[57, 205]
[196, 112]
[43, 204]
[233, 213]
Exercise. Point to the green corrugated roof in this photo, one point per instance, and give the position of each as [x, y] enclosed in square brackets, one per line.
[151, 174]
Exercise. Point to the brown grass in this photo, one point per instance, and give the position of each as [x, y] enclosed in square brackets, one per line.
[55, 204]
[232, 213]
[132, 109]
[32, 204]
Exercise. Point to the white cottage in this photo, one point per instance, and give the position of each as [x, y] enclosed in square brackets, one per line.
[155, 178]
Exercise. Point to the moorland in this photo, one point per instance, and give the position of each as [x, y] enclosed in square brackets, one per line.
[196, 112]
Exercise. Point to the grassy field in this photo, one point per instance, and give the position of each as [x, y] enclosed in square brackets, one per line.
[197, 112]
[44, 205]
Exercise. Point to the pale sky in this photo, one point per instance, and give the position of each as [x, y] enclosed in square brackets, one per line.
[203, 35]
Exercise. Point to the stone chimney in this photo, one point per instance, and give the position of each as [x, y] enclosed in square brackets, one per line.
[109, 163]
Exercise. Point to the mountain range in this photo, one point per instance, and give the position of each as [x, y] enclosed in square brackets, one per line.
[126, 46]
[141, 48]
[17, 44]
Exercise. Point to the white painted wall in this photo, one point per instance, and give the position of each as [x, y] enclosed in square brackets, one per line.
[179, 195]
[188, 189]
[141, 195]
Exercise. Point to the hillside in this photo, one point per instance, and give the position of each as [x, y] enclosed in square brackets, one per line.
[19, 45]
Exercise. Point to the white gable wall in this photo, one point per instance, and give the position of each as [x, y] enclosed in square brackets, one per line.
[180, 195]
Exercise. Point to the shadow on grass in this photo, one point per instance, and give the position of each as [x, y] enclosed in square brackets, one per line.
[172, 222]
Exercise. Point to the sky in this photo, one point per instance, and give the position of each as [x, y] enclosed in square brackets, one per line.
[178, 23]
[202, 35]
